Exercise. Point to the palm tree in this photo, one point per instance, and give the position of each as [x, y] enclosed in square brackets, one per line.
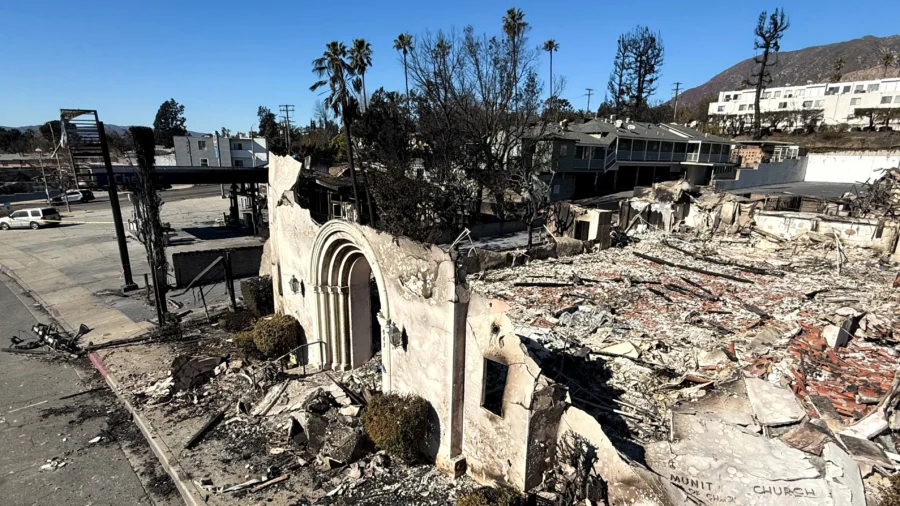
[514, 27]
[551, 46]
[334, 71]
[403, 43]
[361, 59]
[887, 60]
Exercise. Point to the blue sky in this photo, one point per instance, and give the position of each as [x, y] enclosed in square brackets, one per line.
[223, 59]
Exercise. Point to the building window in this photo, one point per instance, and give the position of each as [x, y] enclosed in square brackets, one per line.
[807, 104]
[743, 107]
[833, 90]
[886, 100]
[563, 150]
[238, 163]
[579, 152]
[859, 89]
[855, 101]
[872, 87]
[721, 108]
[845, 90]
[897, 99]
[782, 105]
[495, 375]
[801, 93]
[201, 145]
[556, 189]
[777, 94]
[204, 162]
[819, 103]
[238, 146]
[767, 94]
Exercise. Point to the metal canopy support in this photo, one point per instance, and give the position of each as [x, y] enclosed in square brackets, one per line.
[85, 137]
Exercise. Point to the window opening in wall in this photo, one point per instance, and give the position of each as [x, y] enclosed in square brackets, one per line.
[819, 103]
[885, 100]
[872, 87]
[204, 162]
[201, 145]
[495, 375]
[582, 230]
[563, 150]
[855, 101]
[845, 90]
[238, 163]
[238, 146]
[782, 105]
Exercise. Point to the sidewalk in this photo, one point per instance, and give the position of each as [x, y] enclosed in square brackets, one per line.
[69, 269]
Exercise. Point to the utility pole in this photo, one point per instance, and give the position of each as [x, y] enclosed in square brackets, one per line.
[40, 153]
[675, 114]
[65, 190]
[286, 111]
[590, 91]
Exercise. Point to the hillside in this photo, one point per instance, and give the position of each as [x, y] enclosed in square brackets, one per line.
[862, 60]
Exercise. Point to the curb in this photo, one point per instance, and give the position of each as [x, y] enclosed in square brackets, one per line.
[191, 495]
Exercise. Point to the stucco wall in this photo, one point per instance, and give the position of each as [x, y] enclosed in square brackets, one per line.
[849, 166]
[496, 446]
[788, 171]
[434, 339]
[420, 299]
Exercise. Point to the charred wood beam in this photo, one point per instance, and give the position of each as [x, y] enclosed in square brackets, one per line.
[667, 263]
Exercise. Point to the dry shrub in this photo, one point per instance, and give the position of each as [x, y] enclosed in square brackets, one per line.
[237, 321]
[890, 496]
[397, 423]
[244, 340]
[259, 298]
[276, 335]
[489, 496]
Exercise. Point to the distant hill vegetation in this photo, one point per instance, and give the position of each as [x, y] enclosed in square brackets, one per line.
[862, 60]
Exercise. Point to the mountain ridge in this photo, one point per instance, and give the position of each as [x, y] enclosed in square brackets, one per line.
[862, 60]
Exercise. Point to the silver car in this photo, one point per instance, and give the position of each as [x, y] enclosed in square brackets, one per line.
[31, 218]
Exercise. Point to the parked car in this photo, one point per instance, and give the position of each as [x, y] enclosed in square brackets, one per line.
[73, 196]
[31, 218]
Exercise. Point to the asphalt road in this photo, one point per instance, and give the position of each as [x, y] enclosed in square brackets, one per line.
[102, 198]
[37, 427]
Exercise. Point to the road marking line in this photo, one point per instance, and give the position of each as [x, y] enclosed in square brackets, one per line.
[28, 406]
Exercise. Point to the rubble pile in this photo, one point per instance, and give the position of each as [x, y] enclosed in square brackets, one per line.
[269, 428]
[677, 338]
[881, 198]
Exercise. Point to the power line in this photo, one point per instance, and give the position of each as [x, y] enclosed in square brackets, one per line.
[590, 91]
[675, 114]
[286, 111]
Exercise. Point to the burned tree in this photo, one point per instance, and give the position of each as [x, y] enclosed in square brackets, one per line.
[619, 85]
[768, 39]
[636, 69]
[147, 213]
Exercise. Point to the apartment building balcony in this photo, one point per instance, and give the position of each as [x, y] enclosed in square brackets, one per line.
[707, 158]
[589, 163]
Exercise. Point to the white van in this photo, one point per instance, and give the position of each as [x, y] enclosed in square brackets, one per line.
[31, 218]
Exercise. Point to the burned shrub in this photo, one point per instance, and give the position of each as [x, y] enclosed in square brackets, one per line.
[490, 496]
[573, 478]
[258, 296]
[237, 321]
[244, 340]
[276, 335]
[397, 423]
[890, 496]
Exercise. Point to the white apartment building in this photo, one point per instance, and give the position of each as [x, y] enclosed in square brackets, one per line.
[837, 101]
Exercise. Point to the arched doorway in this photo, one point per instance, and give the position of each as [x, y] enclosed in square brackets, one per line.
[344, 270]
